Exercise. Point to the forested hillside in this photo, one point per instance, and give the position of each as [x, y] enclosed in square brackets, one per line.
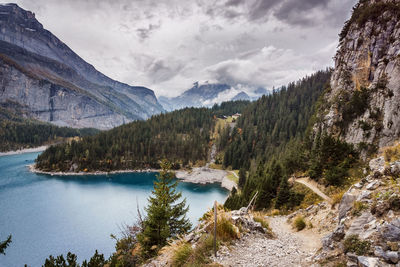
[17, 132]
[271, 141]
[268, 124]
[182, 137]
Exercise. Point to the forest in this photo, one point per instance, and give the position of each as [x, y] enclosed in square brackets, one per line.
[274, 139]
[183, 137]
[17, 132]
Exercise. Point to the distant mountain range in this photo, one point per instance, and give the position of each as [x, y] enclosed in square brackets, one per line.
[43, 76]
[206, 95]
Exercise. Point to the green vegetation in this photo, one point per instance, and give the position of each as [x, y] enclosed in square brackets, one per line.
[181, 254]
[4, 245]
[352, 106]
[358, 207]
[364, 11]
[270, 142]
[299, 223]
[353, 244]
[332, 159]
[182, 136]
[166, 217]
[71, 261]
[17, 132]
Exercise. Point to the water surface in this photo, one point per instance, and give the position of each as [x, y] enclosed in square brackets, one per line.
[53, 215]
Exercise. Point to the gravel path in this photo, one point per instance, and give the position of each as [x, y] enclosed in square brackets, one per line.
[312, 185]
[287, 249]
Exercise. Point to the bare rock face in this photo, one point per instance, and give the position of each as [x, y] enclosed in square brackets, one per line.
[53, 84]
[363, 101]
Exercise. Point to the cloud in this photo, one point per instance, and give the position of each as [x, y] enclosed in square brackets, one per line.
[166, 45]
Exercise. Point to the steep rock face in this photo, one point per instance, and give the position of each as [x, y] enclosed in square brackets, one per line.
[41, 62]
[362, 105]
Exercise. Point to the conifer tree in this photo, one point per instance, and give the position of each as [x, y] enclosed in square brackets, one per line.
[166, 216]
[5, 244]
[283, 193]
[242, 177]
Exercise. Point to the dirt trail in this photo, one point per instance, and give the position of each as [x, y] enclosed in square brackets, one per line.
[289, 248]
[314, 187]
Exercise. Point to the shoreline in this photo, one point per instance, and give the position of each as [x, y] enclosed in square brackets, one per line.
[23, 151]
[201, 175]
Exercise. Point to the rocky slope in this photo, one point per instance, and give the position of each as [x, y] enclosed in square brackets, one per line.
[367, 227]
[54, 84]
[363, 103]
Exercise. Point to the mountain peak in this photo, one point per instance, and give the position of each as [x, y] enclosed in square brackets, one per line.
[63, 88]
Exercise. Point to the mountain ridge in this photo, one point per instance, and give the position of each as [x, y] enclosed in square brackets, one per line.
[87, 97]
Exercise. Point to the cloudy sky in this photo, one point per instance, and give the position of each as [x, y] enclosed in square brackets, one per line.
[167, 45]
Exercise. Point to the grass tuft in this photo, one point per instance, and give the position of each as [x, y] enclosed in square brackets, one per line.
[299, 223]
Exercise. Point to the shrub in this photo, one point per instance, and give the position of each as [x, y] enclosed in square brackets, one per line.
[226, 231]
[181, 254]
[353, 244]
[200, 254]
[392, 153]
[299, 223]
[358, 207]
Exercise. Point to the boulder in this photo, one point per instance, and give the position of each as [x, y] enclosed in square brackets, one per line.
[346, 203]
[364, 261]
[390, 231]
[373, 185]
[361, 226]
[377, 164]
[393, 256]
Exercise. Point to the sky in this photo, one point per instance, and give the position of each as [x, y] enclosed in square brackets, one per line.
[167, 45]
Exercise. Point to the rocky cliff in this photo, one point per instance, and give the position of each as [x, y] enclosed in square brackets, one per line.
[54, 84]
[362, 104]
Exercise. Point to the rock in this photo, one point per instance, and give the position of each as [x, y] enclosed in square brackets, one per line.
[379, 252]
[373, 185]
[358, 185]
[359, 224]
[390, 214]
[346, 203]
[377, 164]
[364, 195]
[393, 256]
[364, 261]
[338, 233]
[62, 88]
[390, 231]
[395, 168]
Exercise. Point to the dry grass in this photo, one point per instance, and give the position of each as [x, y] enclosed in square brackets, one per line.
[299, 223]
[337, 197]
[392, 153]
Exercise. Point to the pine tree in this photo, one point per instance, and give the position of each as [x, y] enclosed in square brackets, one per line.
[242, 177]
[283, 193]
[166, 217]
[5, 244]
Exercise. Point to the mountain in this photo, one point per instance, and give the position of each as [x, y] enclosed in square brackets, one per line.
[241, 96]
[198, 96]
[208, 94]
[362, 104]
[53, 84]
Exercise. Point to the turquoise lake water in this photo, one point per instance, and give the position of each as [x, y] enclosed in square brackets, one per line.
[53, 215]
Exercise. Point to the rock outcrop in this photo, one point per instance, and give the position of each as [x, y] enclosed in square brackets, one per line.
[363, 101]
[53, 84]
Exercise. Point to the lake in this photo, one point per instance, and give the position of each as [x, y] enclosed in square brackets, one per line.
[50, 215]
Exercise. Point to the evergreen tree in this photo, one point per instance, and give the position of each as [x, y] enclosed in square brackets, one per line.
[166, 216]
[283, 193]
[242, 177]
[4, 245]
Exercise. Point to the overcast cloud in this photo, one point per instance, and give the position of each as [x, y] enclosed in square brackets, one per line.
[167, 45]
